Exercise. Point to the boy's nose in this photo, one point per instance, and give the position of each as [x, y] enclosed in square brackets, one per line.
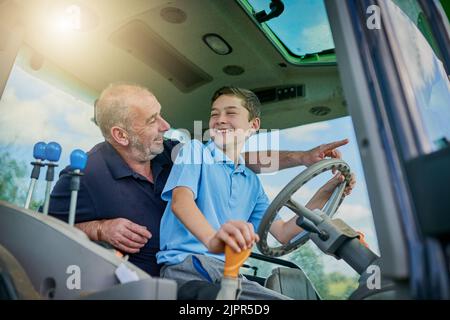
[222, 119]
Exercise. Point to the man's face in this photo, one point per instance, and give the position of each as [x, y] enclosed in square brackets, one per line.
[147, 128]
[229, 125]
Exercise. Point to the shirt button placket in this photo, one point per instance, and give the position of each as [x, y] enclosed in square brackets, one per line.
[234, 191]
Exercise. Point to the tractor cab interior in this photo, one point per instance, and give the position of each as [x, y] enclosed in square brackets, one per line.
[58, 55]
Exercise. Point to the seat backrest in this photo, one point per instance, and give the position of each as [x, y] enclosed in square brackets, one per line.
[292, 283]
[14, 282]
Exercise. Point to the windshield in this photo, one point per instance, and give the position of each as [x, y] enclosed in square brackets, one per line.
[303, 28]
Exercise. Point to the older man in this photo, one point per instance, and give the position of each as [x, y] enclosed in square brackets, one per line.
[119, 201]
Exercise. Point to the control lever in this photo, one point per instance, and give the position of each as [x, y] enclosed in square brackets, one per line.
[78, 160]
[39, 155]
[311, 227]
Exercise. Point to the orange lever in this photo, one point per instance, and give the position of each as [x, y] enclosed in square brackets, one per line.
[362, 239]
[233, 261]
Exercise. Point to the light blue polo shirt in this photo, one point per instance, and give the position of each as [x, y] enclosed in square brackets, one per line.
[221, 190]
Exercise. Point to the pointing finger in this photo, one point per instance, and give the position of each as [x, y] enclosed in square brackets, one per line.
[333, 145]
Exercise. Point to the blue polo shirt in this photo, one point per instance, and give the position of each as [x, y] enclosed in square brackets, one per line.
[111, 189]
[222, 192]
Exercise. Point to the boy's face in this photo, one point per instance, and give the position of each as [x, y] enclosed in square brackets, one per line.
[229, 125]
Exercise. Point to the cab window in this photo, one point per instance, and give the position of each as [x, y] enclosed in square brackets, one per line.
[425, 71]
[332, 278]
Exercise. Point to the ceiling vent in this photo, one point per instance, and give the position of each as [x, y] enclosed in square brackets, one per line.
[268, 95]
[320, 111]
[173, 15]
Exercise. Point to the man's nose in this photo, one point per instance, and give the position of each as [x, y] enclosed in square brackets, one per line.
[163, 125]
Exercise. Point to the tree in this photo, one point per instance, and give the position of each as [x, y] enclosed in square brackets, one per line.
[312, 265]
[10, 175]
[330, 286]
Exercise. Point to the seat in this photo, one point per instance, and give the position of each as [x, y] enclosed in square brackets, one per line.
[292, 283]
[14, 282]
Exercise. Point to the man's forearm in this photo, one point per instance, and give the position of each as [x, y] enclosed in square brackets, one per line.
[93, 229]
[271, 161]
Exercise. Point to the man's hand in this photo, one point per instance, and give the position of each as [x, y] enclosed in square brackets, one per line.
[239, 235]
[124, 235]
[321, 152]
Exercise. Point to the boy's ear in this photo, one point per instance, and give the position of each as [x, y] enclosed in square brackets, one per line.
[255, 125]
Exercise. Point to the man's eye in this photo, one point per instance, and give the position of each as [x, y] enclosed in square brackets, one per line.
[213, 114]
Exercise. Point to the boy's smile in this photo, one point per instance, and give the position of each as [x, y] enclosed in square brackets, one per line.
[229, 123]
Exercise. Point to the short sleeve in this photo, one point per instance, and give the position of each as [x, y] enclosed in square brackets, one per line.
[186, 169]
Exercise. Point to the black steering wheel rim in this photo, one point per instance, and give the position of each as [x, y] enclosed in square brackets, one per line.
[285, 195]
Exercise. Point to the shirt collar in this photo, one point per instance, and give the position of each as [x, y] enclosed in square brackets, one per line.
[220, 157]
[120, 169]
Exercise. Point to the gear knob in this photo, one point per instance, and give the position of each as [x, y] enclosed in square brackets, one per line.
[78, 159]
[39, 150]
[53, 151]
[233, 261]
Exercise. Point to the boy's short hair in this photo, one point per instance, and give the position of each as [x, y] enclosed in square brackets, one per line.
[251, 101]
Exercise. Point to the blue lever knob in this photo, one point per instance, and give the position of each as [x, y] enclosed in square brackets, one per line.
[78, 159]
[39, 151]
[53, 151]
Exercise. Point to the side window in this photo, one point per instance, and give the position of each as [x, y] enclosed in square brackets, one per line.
[332, 278]
[31, 111]
[425, 70]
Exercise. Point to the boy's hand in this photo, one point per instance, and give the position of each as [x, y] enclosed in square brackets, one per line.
[239, 235]
[328, 188]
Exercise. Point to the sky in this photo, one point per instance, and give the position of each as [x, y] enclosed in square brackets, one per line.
[309, 16]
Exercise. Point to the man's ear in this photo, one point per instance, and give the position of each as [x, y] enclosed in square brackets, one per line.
[120, 136]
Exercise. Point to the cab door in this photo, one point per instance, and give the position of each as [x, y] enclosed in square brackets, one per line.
[394, 62]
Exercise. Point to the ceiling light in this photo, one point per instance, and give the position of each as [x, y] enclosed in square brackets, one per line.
[217, 44]
[69, 19]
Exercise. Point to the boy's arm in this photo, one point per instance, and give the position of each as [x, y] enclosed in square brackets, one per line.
[239, 235]
[284, 231]
[271, 161]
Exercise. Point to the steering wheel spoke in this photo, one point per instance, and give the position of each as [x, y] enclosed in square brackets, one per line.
[293, 205]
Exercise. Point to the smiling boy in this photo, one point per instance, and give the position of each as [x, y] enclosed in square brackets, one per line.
[214, 200]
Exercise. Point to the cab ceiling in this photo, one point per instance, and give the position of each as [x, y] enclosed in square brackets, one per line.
[159, 44]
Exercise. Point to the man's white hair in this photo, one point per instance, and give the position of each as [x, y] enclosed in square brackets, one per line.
[113, 106]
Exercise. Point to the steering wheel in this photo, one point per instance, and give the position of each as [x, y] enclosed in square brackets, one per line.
[284, 199]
